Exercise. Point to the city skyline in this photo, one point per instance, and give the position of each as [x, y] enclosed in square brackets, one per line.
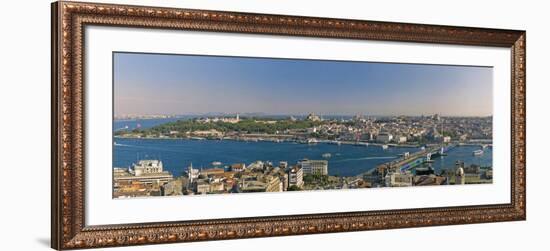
[277, 116]
[146, 84]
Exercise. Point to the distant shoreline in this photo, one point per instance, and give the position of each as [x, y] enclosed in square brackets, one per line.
[280, 116]
[354, 143]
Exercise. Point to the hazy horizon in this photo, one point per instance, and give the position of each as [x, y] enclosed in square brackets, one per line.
[159, 84]
[261, 114]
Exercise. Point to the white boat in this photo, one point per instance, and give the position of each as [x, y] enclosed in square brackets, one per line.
[478, 152]
[335, 142]
[326, 155]
[384, 147]
[216, 163]
[429, 158]
[404, 155]
[312, 141]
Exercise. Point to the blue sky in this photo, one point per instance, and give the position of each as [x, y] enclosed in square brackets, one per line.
[185, 84]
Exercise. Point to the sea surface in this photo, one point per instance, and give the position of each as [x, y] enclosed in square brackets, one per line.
[345, 160]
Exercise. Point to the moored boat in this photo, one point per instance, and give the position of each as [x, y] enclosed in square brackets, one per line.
[335, 142]
[312, 141]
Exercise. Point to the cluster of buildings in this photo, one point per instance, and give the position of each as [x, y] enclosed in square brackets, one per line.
[231, 120]
[147, 178]
[384, 176]
[404, 129]
[258, 176]
[410, 130]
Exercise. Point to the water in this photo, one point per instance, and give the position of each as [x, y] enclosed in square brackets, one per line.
[464, 153]
[346, 160]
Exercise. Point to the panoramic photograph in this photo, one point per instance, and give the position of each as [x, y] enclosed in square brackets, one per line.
[197, 125]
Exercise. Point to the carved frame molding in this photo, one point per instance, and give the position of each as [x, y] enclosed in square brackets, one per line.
[68, 226]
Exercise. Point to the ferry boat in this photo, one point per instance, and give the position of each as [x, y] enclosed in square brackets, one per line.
[326, 155]
[312, 141]
[478, 152]
[216, 163]
[428, 158]
[335, 142]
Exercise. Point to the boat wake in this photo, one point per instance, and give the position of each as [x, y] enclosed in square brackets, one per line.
[117, 144]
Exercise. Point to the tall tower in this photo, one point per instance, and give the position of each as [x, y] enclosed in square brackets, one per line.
[460, 176]
[190, 172]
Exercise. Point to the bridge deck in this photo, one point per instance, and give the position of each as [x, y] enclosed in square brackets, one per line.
[416, 158]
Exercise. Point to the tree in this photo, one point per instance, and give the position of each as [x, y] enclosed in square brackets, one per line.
[294, 188]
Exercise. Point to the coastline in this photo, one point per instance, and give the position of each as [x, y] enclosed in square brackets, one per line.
[318, 141]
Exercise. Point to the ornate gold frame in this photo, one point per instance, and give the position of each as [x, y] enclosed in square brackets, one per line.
[68, 228]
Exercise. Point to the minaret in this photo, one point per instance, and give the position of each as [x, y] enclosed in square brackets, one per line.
[190, 172]
[460, 177]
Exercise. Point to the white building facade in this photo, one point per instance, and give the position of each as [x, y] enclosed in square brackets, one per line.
[319, 167]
